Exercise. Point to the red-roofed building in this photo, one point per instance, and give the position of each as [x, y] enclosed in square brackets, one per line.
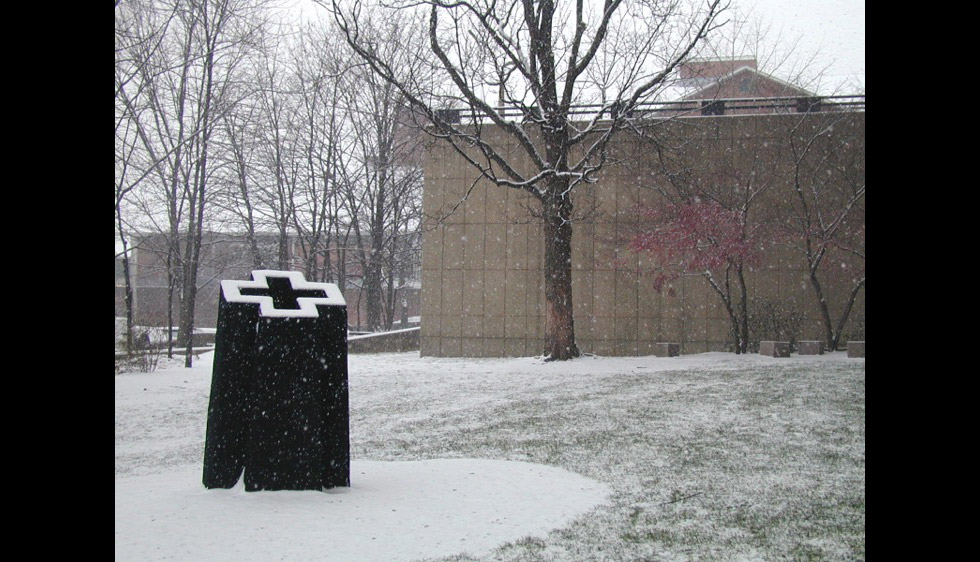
[735, 86]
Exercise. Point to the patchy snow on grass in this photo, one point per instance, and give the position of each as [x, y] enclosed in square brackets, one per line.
[711, 456]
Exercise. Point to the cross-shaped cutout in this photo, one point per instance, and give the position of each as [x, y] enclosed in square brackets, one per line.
[282, 293]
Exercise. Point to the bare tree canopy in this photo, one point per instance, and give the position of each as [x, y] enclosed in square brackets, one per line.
[234, 124]
[524, 66]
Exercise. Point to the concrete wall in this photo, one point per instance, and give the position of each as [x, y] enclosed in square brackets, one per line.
[482, 275]
[385, 342]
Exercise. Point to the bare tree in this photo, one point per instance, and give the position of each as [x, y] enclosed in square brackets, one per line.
[184, 81]
[542, 58]
[319, 159]
[384, 181]
[237, 198]
[826, 218]
[144, 61]
[824, 153]
[124, 148]
[319, 63]
[138, 31]
[279, 150]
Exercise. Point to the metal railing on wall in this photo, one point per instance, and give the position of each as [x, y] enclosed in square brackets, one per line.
[685, 108]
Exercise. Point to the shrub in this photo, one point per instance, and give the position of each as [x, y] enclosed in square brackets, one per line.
[143, 356]
[773, 321]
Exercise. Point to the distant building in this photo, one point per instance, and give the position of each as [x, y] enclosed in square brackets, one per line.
[735, 86]
[229, 256]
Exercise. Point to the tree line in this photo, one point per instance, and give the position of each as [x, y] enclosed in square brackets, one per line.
[231, 117]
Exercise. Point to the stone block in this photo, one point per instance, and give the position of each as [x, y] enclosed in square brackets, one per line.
[666, 349]
[855, 349]
[774, 348]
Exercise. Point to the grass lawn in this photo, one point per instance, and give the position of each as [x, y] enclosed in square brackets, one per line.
[709, 456]
[723, 458]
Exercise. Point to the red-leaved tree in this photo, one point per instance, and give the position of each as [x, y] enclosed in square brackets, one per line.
[702, 237]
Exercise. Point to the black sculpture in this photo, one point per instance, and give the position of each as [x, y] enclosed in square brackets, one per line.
[279, 405]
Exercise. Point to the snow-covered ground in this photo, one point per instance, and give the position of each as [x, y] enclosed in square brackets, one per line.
[700, 457]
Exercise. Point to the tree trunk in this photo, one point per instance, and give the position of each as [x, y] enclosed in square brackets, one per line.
[127, 279]
[185, 328]
[738, 325]
[171, 290]
[743, 311]
[374, 269]
[372, 283]
[557, 212]
[282, 260]
[828, 324]
[847, 312]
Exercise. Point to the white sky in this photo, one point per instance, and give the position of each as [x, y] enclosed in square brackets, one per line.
[832, 28]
